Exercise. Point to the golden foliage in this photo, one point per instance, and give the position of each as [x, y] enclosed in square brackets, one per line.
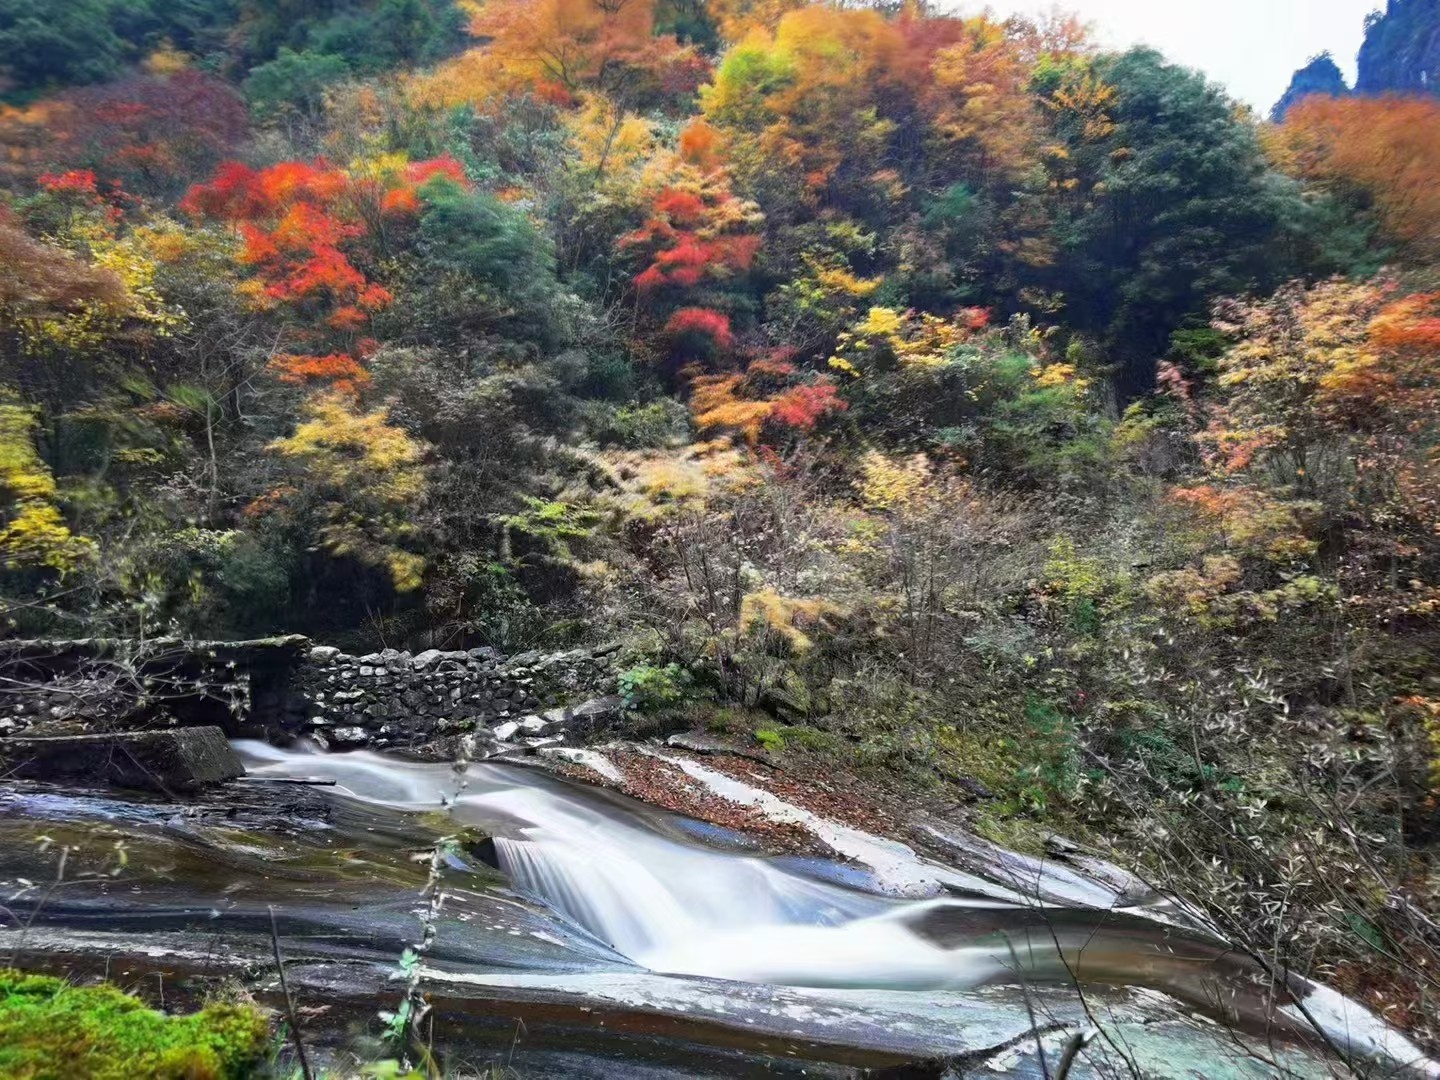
[790, 621]
[555, 48]
[886, 337]
[1286, 348]
[716, 405]
[893, 483]
[370, 476]
[35, 535]
[609, 141]
[658, 483]
[166, 59]
[737, 19]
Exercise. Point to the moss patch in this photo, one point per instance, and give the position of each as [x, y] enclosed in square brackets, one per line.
[50, 1030]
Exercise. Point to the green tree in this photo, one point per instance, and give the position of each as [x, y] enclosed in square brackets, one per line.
[1168, 206]
[294, 83]
[57, 42]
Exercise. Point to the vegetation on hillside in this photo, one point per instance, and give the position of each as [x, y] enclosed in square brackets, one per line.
[946, 396]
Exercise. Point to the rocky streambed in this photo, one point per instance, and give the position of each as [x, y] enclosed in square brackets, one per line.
[584, 933]
[566, 905]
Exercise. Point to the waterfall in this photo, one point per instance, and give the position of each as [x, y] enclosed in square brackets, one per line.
[678, 907]
[640, 892]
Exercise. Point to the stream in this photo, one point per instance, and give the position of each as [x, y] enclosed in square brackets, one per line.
[598, 936]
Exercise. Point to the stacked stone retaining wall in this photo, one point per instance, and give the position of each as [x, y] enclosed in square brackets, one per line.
[280, 688]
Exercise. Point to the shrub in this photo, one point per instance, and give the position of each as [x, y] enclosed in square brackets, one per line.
[649, 688]
[50, 1028]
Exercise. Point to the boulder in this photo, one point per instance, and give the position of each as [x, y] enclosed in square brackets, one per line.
[596, 715]
[171, 760]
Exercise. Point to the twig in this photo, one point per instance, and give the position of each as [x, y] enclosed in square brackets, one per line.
[39, 905]
[1029, 1010]
[290, 1017]
[1073, 1046]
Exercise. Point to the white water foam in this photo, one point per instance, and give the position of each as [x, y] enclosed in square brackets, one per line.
[681, 908]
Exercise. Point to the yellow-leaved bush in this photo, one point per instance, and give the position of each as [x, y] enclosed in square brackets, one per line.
[35, 535]
[787, 620]
[367, 476]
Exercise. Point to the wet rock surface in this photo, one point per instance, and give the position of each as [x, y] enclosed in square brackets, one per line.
[344, 846]
[508, 982]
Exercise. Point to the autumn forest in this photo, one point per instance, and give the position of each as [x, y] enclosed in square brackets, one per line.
[936, 397]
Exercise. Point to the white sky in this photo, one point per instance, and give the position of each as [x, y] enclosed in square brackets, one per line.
[1252, 47]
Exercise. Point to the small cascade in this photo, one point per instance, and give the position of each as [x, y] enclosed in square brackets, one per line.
[677, 907]
[642, 893]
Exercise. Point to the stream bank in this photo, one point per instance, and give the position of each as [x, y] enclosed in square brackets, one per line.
[637, 909]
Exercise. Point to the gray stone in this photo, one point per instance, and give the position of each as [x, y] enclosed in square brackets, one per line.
[533, 725]
[323, 654]
[597, 714]
[350, 735]
[425, 659]
[504, 732]
[175, 759]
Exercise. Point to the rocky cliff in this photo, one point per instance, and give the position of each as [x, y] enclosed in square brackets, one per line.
[1400, 55]
[1401, 51]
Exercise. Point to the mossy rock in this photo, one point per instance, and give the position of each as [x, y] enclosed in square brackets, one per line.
[51, 1030]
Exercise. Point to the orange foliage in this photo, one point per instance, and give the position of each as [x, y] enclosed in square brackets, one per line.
[76, 181]
[1385, 148]
[978, 100]
[700, 145]
[736, 19]
[558, 48]
[1337, 388]
[689, 239]
[768, 396]
[1250, 521]
[302, 224]
[337, 371]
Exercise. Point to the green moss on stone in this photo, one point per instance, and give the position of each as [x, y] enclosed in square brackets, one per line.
[51, 1030]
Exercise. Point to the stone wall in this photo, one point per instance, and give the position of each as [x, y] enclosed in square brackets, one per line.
[279, 688]
[394, 698]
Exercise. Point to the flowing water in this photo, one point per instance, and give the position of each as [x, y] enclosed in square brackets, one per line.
[652, 888]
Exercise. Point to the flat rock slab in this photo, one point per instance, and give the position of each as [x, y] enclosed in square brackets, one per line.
[171, 760]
